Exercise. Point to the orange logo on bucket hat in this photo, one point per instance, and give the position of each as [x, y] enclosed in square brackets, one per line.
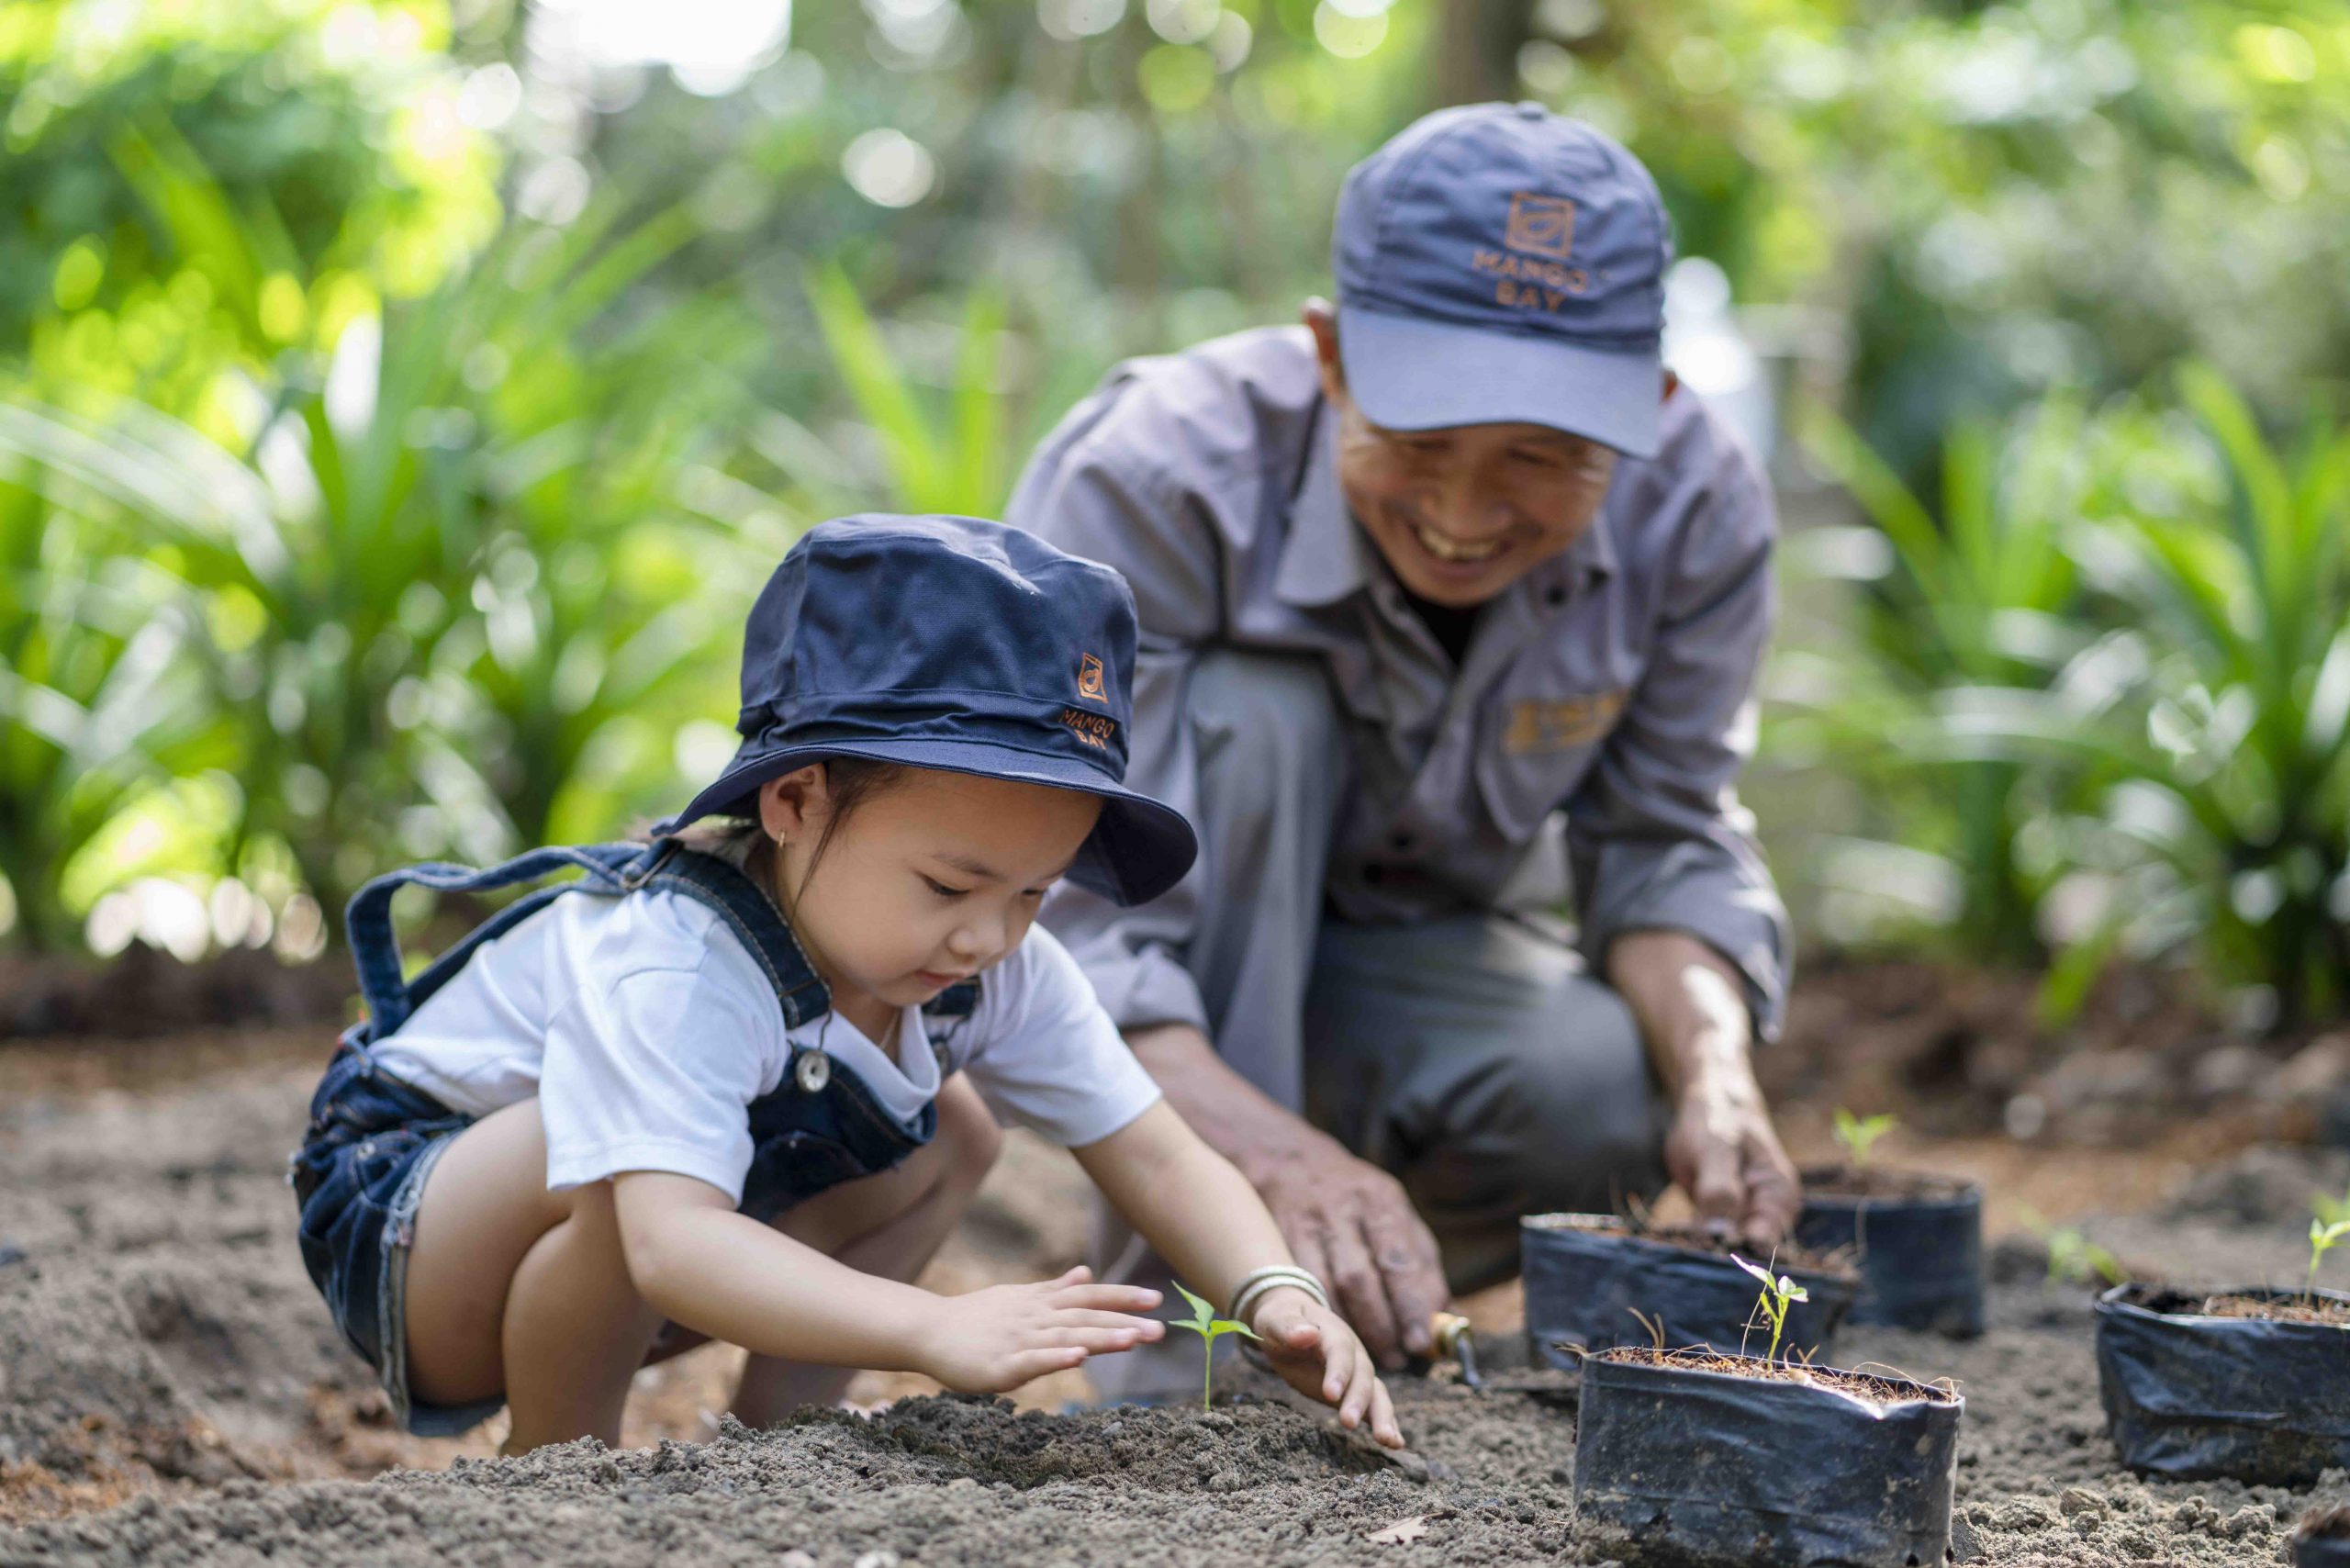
[1089, 681]
[1540, 225]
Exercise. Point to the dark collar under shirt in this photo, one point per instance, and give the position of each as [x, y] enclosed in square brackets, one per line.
[1450, 627]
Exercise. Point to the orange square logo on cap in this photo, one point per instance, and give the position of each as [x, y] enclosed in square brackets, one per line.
[1540, 225]
[1088, 679]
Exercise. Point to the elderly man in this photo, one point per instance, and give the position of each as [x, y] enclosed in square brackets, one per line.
[1451, 603]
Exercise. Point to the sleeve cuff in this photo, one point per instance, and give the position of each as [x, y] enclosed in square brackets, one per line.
[1144, 989]
[1116, 1115]
[577, 1167]
[1744, 923]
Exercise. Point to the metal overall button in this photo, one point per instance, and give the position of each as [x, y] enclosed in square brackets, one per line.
[812, 1071]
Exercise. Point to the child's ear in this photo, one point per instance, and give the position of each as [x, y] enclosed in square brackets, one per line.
[787, 805]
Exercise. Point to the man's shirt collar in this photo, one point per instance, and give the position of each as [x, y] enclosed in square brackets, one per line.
[1326, 556]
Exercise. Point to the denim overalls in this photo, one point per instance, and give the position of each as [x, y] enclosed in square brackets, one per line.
[373, 1139]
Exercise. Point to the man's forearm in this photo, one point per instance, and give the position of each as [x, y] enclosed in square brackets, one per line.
[1688, 1002]
[1235, 1117]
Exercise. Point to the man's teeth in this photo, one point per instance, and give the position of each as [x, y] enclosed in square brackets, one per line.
[1445, 549]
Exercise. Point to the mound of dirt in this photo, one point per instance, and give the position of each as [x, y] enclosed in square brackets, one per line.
[952, 1481]
[156, 1319]
[158, 1333]
[158, 1337]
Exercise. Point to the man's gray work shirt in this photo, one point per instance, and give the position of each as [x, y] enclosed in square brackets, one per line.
[1612, 683]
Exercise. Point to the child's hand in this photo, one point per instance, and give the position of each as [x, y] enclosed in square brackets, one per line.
[1312, 1346]
[998, 1339]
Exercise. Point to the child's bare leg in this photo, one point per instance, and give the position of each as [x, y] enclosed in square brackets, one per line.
[512, 1288]
[891, 1225]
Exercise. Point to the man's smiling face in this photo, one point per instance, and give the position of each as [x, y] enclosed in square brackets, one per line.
[1461, 514]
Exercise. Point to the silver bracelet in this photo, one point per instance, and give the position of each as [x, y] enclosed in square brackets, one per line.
[1261, 1281]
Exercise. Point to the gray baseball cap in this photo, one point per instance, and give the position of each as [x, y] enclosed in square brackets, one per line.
[1501, 264]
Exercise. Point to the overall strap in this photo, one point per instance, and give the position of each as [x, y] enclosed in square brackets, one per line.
[735, 899]
[745, 906]
[375, 946]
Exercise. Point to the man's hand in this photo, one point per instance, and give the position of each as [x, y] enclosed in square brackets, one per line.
[1723, 1152]
[1344, 1218]
[1350, 1224]
[1720, 1149]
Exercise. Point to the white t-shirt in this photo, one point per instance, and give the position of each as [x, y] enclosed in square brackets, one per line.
[646, 1028]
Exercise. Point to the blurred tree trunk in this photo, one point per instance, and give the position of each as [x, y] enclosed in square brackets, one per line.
[1477, 45]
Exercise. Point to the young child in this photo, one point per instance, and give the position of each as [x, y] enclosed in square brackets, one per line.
[736, 1084]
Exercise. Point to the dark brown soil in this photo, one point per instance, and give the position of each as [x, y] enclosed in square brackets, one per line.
[1959, 1052]
[1861, 1386]
[1787, 1258]
[160, 1344]
[1879, 1181]
[2269, 1310]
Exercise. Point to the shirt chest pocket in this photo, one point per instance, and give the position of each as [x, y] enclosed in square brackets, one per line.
[1535, 752]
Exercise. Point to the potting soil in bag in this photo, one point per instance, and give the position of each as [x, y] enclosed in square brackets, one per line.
[2189, 1395]
[1709, 1467]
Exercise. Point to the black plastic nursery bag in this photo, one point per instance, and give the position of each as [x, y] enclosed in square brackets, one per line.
[1920, 1258]
[1709, 1468]
[2189, 1395]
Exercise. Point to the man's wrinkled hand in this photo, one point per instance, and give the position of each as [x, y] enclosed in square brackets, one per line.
[1722, 1150]
[1351, 1224]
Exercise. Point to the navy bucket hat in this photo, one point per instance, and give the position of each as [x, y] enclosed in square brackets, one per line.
[1499, 265]
[959, 645]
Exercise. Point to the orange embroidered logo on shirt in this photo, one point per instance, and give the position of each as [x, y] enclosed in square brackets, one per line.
[1561, 724]
[1540, 225]
[1090, 679]
[1092, 728]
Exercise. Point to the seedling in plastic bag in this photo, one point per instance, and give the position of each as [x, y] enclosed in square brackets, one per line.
[2072, 1258]
[2332, 1210]
[1859, 1134]
[1779, 1293]
[1208, 1326]
[2323, 1239]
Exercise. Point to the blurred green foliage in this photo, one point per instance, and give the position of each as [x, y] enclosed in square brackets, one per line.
[399, 401]
[1973, 592]
[2116, 680]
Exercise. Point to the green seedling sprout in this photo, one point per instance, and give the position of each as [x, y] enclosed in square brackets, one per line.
[2072, 1258]
[1208, 1326]
[2332, 1210]
[1859, 1134]
[1778, 1294]
[2323, 1239]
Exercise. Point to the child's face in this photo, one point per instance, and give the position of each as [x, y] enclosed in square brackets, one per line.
[930, 880]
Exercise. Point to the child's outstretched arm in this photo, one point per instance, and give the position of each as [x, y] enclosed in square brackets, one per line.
[693, 1258]
[1190, 1203]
